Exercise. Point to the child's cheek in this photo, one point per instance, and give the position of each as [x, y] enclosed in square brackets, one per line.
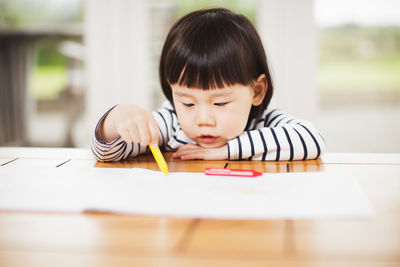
[234, 123]
[186, 122]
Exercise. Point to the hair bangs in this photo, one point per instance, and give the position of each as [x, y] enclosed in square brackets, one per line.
[214, 48]
[209, 57]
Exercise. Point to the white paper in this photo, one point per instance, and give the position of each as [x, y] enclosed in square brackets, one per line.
[4, 160]
[182, 194]
[34, 163]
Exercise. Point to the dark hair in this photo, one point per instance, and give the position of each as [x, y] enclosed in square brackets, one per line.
[214, 48]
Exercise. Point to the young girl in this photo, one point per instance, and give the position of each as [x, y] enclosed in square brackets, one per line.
[214, 73]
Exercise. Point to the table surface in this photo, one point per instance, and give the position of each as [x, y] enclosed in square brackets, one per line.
[99, 239]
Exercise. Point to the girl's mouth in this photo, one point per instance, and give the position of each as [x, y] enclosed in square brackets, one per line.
[207, 139]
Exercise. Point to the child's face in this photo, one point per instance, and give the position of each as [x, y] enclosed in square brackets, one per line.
[213, 117]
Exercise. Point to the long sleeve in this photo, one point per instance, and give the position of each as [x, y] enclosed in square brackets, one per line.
[277, 136]
[115, 150]
[119, 150]
[170, 137]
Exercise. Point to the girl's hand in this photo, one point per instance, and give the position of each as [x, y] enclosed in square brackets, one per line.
[191, 151]
[132, 123]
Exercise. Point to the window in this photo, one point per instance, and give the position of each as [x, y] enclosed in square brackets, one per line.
[358, 77]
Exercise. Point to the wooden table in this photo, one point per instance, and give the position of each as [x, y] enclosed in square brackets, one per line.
[93, 239]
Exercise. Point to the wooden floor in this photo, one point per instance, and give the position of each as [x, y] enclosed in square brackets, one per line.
[99, 239]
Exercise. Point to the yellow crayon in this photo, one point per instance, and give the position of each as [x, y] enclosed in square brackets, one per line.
[159, 159]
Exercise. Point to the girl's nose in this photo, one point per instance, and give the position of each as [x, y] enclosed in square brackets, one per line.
[205, 117]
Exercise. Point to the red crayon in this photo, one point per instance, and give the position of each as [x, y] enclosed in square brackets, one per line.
[232, 172]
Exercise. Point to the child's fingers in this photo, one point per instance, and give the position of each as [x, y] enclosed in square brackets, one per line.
[153, 128]
[134, 133]
[123, 131]
[125, 136]
[190, 151]
[188, 147]
[186, 150]
[144, 134]
[140, 128]
[193, 154]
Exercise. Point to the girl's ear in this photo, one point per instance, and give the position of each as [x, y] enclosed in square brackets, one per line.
[260, 89]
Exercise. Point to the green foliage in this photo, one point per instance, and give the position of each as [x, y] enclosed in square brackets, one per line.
[39, 12]
[48, 54]
[359, 58]
[48, 81]
[357, 75]
[7, 17]
[49, 76]
[354, 42]
[245, 7]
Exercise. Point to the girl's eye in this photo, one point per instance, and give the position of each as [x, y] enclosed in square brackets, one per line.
[221, 104]
[188, 105]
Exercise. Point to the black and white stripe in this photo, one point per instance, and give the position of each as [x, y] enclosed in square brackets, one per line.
[278, 136]
[275, 136]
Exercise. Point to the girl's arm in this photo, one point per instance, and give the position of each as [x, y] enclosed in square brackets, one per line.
[278, 136]
[107, 145]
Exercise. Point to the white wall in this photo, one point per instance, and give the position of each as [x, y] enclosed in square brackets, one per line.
[288, 31]
[118, 55]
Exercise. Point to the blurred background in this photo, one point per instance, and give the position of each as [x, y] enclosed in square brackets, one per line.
[63, 63]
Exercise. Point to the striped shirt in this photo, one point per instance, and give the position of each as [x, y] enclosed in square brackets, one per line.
[276, 136]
